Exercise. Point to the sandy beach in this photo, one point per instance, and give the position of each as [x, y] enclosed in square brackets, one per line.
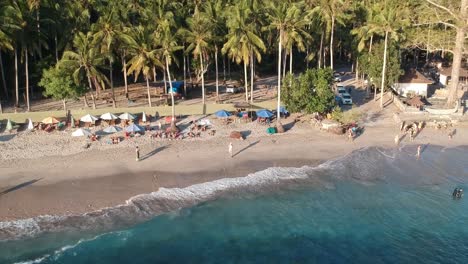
[36, 182]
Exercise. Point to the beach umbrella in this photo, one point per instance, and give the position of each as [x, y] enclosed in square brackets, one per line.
[9, 125]
[264, 113]
[112, 129]
[109, 116]
[50, 120]
[30, 124]
[127, 116]
[143, 117]
[283, 110]
[133, 128]
[80, 132]
[222, 113]
[88, 119]
[72, 121]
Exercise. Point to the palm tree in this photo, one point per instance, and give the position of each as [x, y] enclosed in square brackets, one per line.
[198, 34]
[332, 11]
[295, 33]
[393, 17]
[214, 11]
[86, 62]
[242, 40]
[280, 15]
[168, 47]
[144, 55]
[107, 32]
[8, 25]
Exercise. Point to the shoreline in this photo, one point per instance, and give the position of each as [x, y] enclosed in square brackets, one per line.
[107, 176]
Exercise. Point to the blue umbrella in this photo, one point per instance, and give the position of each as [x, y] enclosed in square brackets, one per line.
[133, 128]
[283, 110]
[264, 113]
[223, 113]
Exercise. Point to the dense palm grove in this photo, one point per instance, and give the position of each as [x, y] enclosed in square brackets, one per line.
[81, 47]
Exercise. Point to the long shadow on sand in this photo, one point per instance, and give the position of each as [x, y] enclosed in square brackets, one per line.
[153, 152]
[250, 145]
[19, 186]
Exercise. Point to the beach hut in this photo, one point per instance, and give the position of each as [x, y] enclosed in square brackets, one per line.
[81, 132]
[133, 128]
[50, 120]
[127, 116]
[222, 114]
[264, 113]
[112, 129]
[9, 125]
[109, 116]
[88, 118]
[30, 124]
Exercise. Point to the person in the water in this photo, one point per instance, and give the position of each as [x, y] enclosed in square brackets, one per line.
[457, 193]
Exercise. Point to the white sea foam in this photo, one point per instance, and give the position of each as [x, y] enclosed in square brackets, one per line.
[146, 206]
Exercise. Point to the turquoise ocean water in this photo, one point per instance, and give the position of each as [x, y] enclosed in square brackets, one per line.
[371, 206]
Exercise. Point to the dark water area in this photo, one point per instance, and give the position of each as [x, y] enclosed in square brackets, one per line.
[371, 206]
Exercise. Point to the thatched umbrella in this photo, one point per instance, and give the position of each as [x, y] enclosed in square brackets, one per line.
[416, 102]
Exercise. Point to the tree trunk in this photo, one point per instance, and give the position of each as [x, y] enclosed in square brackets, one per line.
[357, 70]
[229, 69]
[56, 48]
[172, 94]
[27, 79]
[165, 82]
[457, 58]
[217, 79]
[285, 62]
[188, 69]
[251, 76]
[331, 41]
[278, 117]
[370, 43]
[3, 76]
[112, 83]
[246, 84]
[202, 79]
[38, 32]
[320, 51]
[148, 91]
[185, 75]
[64, 103]
[125, 74]
[291, 61]
[224, 69]
[154, 75]
[16, 80]
[384, 67]
[91, 92]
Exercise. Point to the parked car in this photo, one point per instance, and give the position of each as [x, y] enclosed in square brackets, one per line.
[347, 100]
[340, 89]
[234, 89]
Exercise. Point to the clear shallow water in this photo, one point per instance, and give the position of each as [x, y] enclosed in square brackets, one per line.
[372, 206]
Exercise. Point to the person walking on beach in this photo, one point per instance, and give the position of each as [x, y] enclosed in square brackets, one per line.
[137, 151]
[418, 154]
[230, 149]
[350, 135]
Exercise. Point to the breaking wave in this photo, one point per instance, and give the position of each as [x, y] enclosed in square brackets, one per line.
[365, 166]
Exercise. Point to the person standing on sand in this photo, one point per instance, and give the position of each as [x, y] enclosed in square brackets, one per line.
[418, 154]
[137, 151]
[230, 149]
[397, 139]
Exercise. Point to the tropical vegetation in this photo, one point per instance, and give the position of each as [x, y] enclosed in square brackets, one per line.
[100, 43]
